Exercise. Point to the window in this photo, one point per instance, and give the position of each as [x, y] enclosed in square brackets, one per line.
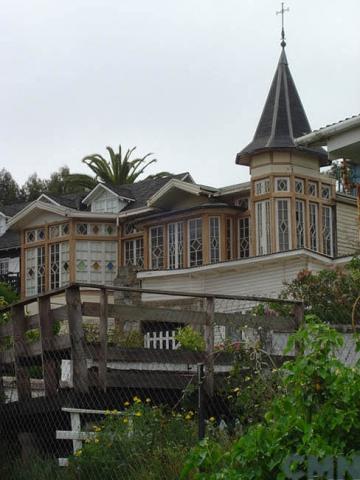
[96, 261]
[107, 202]
[61, 230]
[244, 237]
[176, 245]
[229, 238]
[242, 203]
[134, 252]
[299, 186]
[4, 266]
[157, 247]
[300, 223]
[263, 238]
[34, 270]
[96, 229]
[214, 233]
[313, 226]
[262, 187]
[35, 235]
[130, 228]
[282, 184]
[283, 225]
[327, 231]
[325, 192]
[59, 264]
[312, 189]
[195, 242]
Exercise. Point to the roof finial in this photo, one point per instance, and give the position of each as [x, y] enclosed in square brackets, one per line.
[282, 12]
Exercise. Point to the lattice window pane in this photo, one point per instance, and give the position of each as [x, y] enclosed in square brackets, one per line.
[176, 245]
[313, 226]
[300, 223]
[312, 189]
[82, 228]
[214, 232]
[40, 269]
[283, 225]
[263, 234]
[229, 238]
[327, 230]
[134, 253]
[4, 266]
[262, 187]
[244, 237]
[157, 247]
[299, 185]
[282, 184]
[195, 242]
[326, 192]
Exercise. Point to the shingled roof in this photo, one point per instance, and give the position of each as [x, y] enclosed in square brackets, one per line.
[283, 119]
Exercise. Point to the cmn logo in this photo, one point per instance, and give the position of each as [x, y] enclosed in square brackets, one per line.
[339, 468]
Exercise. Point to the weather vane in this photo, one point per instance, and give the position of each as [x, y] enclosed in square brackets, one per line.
[282, 12]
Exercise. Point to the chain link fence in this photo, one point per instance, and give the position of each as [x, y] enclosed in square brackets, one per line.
[120, 383]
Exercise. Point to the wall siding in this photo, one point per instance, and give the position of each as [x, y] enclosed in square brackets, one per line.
[347, 229]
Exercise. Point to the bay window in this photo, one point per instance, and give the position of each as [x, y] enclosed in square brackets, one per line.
[244, 237]
[214, 233]
[300, 223]
[283, 225]
[195, 242]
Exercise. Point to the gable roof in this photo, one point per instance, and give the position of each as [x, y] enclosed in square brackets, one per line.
[141, 191]
[13, 209]
[283, 119]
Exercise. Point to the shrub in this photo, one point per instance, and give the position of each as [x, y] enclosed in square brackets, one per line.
[317, 413]
[190, 339]
[140, 442]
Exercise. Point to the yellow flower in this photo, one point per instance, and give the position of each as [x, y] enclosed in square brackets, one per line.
[125, 420]
[188, 417]
[107, 412]
[212, 419]
[114, 412]
[96, 440]
[237, 389]
[148, 400]
[191, 413]
[126, 404]
[247, 379]
[138, 414]
[78, 452]
[96, 428]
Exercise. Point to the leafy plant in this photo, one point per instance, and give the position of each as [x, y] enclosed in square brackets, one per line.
[190, 339]
[139, 442]
[316, 413]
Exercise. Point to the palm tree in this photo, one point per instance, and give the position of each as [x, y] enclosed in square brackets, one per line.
[118, 171]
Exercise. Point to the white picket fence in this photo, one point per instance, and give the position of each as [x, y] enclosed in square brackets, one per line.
[163, 340]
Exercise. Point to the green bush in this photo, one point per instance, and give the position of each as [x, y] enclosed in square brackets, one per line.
[140, 442]
[7, 293]
[190, 339]
[317, 413]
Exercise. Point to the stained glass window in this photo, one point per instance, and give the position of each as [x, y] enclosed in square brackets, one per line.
[96, 261]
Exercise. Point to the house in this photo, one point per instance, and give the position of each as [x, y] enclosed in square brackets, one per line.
[246, 238]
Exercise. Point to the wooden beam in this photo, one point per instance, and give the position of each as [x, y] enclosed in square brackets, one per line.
[21, 372]
[77, 340]
[103, 333]
[49, 364]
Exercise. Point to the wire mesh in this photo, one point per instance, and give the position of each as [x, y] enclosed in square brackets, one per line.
[107, 383]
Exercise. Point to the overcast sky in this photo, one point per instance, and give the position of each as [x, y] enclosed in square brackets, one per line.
[186, 79]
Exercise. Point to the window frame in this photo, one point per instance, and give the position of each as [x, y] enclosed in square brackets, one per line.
[199, 229]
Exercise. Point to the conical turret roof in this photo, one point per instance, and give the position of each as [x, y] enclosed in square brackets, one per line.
[283, 119]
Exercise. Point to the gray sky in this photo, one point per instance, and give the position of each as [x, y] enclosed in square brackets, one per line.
[186, 79]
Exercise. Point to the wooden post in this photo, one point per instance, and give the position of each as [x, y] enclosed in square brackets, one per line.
[209, 344]
[299, 320]
[22, 375]
[201, 413]
[46, 336]
[103, 338]
[77, 340]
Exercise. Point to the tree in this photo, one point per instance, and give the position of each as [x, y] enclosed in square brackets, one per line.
[119, 170]
[59, 184]
[34, 187]
[9, 189]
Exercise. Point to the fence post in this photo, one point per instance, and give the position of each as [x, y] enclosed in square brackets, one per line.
[103, 338]
[46, 337]
[77, 340]
[201, 412]
[298, 312]
[209, 345]
[23, 384]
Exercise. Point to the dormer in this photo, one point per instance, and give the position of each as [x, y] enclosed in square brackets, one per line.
[102, 199]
